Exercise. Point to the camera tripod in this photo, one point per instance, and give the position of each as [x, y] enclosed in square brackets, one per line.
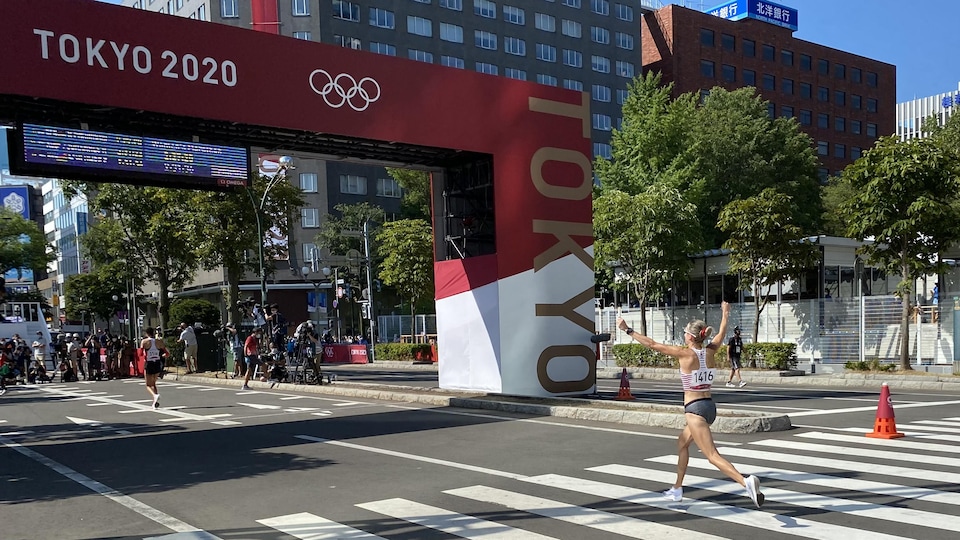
[306, 367]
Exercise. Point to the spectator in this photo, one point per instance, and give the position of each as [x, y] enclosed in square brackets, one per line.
[189, 339]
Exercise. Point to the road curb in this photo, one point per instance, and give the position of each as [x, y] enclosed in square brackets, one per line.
[642, 414]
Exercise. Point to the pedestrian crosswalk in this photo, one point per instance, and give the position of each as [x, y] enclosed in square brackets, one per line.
[818, 484]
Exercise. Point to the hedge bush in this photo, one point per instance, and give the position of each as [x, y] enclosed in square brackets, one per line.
[774, 356]
[194, 310]
[402, 352]
[872, 364]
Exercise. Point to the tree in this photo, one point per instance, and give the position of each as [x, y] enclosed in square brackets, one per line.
[193, 311]
[416, 193]
[406, 247]
[92, 294]
[650, 235]
[766, 245]
[22, 244]
[904, 198]
[224, 224]
[351, 218]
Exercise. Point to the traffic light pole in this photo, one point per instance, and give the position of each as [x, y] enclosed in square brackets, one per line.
[370, 314]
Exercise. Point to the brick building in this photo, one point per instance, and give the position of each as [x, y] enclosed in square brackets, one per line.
[842, 100]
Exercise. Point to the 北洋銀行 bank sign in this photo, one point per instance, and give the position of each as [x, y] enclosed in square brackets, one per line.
[757, 9]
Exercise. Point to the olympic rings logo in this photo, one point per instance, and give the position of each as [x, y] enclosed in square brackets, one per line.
[344, 89]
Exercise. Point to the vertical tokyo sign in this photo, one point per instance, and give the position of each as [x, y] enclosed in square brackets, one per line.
[760, 10]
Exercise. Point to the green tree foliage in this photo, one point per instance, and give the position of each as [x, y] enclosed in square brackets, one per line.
[93, 293]
[22, 244]
[225, 226]
[193, 311]
[722, 150]
[415, 203]
[904, 198]
[835, 193]
[650, 235]
[766, 244]
[406, 247]
[350, 218]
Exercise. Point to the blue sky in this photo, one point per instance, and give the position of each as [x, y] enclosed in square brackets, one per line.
[920, 37]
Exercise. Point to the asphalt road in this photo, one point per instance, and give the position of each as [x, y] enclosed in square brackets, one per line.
[93, 460]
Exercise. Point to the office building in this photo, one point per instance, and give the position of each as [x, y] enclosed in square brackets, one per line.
[911, 114]
[842, 100]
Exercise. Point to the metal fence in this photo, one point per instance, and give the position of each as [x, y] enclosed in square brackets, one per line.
[393, 328]
[830, 331]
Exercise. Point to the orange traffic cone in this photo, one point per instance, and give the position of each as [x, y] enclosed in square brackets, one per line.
[624, 394]
[885, 427]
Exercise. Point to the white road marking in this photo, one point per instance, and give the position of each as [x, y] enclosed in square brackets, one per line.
[144, 510]
[290, 398]
[894, 443]
[579, 515]
[307, 526]
[322, 413]
[347, 403]
[211, 389]
[260, 406]
[453, 523]
[136, 408]
[865, 409]
[793, 446]
[15, 433]
[226, 423]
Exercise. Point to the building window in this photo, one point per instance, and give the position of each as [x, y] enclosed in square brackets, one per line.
[855, 127]
[622, 96]
[601, 150]
[806, 62]
[728, 42]
[823, 66]
[310, 218]
[856, 75]
[545, 22]
[514, 15]
[308, 252]
[601, 122]
[382, 18]
[839, 71]
[600, 7]
[420, 56]
[202, 12]
[768, 52]
[308, 182]
[485, 67]
[571, 84]
[485, 8]
[871, 130]
[572, 58]
[514, 46]
[871, 105]
[388, 187]
[625, 41]
[423, 1]
[347, 11]
[600, 64]
[452, 61]
[729, 73]
[749, 48]
[823, 174]
[823, 148]
[547, 53]
[353, 184]
[419, 26]
[771, 110]
[624, 12]
[625, 69]
[485, 40]
[855, 101]
[545, 79]
[301, 8]
[302, 35]
[451, 32]
[769, 82]
[786, 86]
[786, 111]
[806, 117]
[839, 123]
[600, 93]
[823, 94]
[840, 150]
[823, 120]
[455, 5]
[571, 28]
[706, 68]
[383, 48]
[786, 57]
[228, 9]
[347, 41]
[855, 152]
[839, 97]
[806, 91]
[572, 3]
[706, 37]
[749, 77]
[599, 35]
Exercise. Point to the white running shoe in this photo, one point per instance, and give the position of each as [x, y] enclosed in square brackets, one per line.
[244, 387]
[753, 490]
[729, 384]
[156, 403]
[743, 383]
[673, 494]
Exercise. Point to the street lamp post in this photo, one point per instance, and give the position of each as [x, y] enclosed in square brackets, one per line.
[286, 163]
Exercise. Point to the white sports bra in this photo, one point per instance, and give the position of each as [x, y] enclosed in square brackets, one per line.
[701, 379]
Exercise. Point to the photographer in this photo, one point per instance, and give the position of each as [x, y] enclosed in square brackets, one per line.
[232, 338]
[278, 326]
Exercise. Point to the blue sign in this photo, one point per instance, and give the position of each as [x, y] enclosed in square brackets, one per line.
[761, 10]
[16, 199]
[949, 101]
